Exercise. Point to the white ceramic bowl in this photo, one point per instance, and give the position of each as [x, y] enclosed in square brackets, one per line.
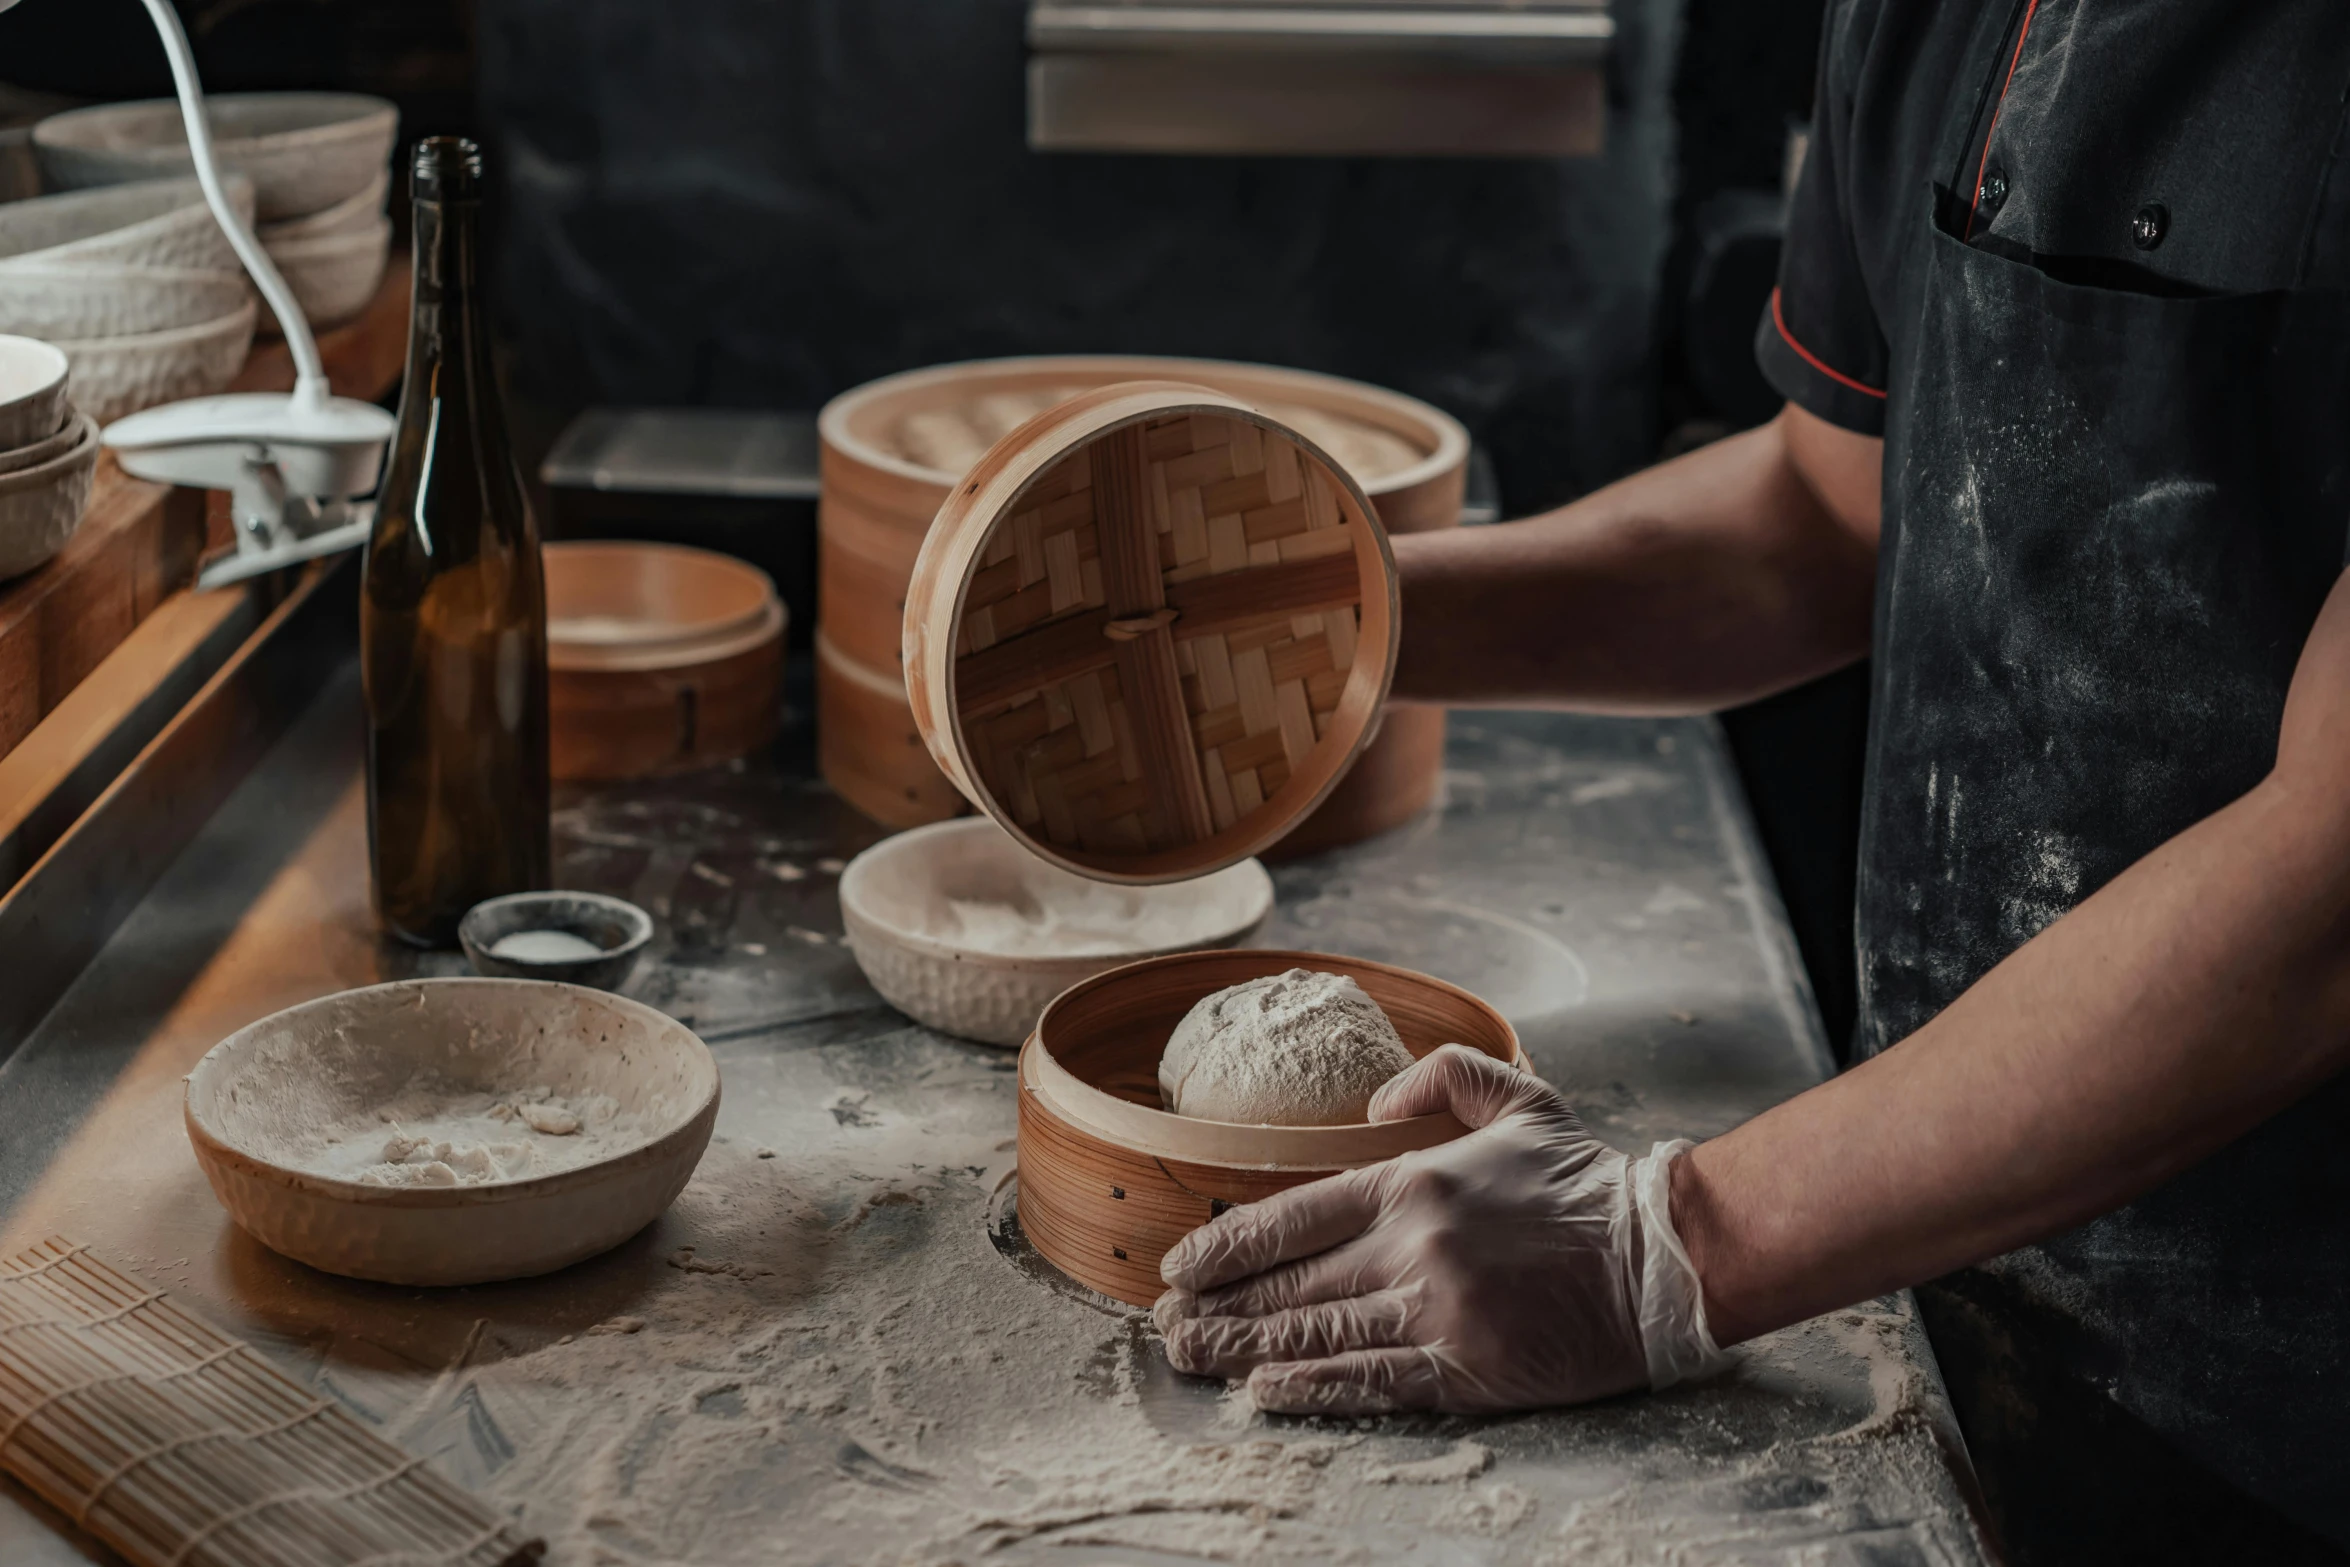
[114, 376]
[153, 223]
[18, 458]
[303, 151]
[1031, 931]
[32, 391]
[348, 216]
[42, 505]
[97, 300]
[334, 277]
[257, 1091]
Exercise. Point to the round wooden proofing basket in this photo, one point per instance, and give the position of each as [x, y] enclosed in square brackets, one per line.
[1109, 1181]
[877, 506]
[660, 659]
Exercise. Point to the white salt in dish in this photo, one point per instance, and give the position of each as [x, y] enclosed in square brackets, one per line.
[544, 946]
[452, 1131]
[963, 930]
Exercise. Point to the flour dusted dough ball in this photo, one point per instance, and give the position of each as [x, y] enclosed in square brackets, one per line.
[1294, 1049]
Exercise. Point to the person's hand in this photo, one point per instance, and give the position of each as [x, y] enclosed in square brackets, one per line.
[1525, 1264]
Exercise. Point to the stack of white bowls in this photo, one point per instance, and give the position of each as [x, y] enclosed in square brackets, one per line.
[48, 452]
[136, 283]
[319, 163]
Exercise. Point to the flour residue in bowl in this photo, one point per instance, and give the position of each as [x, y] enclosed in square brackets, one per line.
[969, 888]
[437, 1133]
[1072, 921]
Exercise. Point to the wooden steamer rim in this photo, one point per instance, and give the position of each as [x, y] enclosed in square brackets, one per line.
[1133, 621]
[643, 606]
[1162, 1134]
[845, 422]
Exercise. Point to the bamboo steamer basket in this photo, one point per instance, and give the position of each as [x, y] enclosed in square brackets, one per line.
[1109, 1181]
[660, 659]
[878, 502]
[868, 748]
[1150, 631]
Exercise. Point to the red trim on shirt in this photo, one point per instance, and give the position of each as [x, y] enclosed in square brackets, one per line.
[1814, 360]
[1976, 199]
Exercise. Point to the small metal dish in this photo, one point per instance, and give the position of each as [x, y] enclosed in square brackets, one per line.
[617, 927]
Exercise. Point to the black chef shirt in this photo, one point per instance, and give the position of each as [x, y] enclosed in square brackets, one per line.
[2166, 147]
[2159, 145]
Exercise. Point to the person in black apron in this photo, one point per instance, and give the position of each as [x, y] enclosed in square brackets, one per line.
[2082, 267]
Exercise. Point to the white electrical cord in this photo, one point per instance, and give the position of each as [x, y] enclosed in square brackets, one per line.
[310, 388]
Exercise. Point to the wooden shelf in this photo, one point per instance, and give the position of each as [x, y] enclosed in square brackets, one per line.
[139, 543]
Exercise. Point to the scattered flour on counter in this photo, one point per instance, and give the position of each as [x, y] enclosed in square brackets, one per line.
[891, 1390]
[1465, 1461]
[435, 1133]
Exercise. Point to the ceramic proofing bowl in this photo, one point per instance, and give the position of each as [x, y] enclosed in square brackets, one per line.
[345, 1054]
[149, 223]
[929, 961]
[334, 275]
[18, 459]
[115, 376]
[41, 506]
[303, 151]
[348, 216]
[103, 300]
[32, 392]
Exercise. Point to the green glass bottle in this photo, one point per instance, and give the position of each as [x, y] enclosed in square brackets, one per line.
[453, 604]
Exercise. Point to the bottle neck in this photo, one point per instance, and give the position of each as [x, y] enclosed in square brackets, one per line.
[447, 302]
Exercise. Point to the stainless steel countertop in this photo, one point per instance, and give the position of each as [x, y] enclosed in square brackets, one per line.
[846, 1352]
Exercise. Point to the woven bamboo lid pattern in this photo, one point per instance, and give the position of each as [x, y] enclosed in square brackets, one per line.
[1150, 631]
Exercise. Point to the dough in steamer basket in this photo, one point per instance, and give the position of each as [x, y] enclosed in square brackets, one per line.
[1293, 1049]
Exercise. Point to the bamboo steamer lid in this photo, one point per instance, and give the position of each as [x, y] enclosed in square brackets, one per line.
[1150, 631]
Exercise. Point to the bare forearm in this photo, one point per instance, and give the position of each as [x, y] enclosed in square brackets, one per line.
[2195, 995]
[1712, 579]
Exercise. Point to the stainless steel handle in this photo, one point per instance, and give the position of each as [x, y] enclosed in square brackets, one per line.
[1518, 36]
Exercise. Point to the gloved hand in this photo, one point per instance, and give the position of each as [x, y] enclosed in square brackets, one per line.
[1525, 1264]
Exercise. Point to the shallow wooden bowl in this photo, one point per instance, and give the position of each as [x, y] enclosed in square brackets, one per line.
[660, 659]
[1109, 1181]
[354, 1051]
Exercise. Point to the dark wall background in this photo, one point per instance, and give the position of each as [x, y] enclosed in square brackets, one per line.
[415, 52]
[735, 201]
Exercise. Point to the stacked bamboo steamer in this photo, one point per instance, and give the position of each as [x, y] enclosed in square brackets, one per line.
[893, 452]
[660, 659]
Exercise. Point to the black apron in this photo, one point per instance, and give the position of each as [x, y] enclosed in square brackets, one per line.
[2111, 516]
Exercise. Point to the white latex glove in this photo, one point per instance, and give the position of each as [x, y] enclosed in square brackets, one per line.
[1524, 1265]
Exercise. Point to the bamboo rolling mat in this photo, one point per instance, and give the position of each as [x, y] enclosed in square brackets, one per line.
[182, 1447]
